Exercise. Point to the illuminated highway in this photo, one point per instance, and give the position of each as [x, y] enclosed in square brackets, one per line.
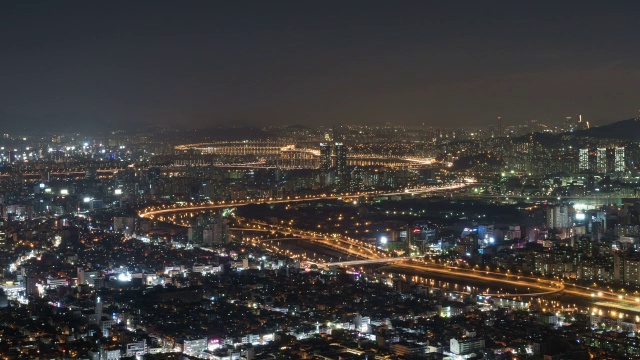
[363, 262]
[599, 298]
[541, 286]
[155, 211]
[546, 287]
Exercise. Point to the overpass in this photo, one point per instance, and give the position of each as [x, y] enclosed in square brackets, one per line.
[152, 211]
[544, 287]
[363, 262]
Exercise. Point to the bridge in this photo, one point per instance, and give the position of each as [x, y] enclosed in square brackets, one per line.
[289, 156]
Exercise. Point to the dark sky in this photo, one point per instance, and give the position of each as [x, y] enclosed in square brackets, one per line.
[197, 63]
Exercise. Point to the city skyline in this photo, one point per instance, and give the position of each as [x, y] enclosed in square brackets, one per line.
[204, 64]
[319, 180]
[339, 241]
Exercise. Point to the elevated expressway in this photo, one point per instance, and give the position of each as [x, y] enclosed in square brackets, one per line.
[152, 211]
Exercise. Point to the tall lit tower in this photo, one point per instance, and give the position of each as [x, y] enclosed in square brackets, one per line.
[601, 160]
[583, 160]
[619, 159]
[325, 157]
[340, 151]
[581, 124]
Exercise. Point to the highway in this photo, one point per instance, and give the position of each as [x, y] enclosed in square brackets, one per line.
[363, 262]
[153, 211]
[545, 287]
[542, 286]
[616, 303]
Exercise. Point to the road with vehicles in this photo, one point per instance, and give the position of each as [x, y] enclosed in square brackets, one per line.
[616, 302]
[541, 287]
[151, 212]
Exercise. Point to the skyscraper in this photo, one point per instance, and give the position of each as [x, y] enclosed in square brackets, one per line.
[340, 151]
[619, 165]
[601, 160]
[583, 160]
[325, 157]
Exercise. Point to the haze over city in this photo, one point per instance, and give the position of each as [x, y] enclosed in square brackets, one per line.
[88, 65]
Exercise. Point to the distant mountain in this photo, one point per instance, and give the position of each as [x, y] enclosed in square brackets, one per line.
[624, 130]
[628, 130]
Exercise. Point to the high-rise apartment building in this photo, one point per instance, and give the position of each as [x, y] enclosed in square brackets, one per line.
[340, 161]
[601, 160]
[325, 157]
[619, 164]
[583, 160]
[558, 217]
[606, 160]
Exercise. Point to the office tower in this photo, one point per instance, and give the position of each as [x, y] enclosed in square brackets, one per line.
[619, 165]
[325, 156]
[583, 160]
[601, 160]
[340, 151]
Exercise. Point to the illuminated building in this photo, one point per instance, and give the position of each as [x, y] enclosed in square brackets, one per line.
[606, 160]
[558, 217]
[194, 347]
[325, 157]
[583, 159]
[619, 159]
[422, 234]
[466, 346]
[340, 151]
[137, 348]
[601, 160]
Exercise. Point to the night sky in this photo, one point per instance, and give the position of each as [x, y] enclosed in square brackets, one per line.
[67, 65]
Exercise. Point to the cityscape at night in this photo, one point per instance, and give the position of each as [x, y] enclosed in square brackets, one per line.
[319, 180]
